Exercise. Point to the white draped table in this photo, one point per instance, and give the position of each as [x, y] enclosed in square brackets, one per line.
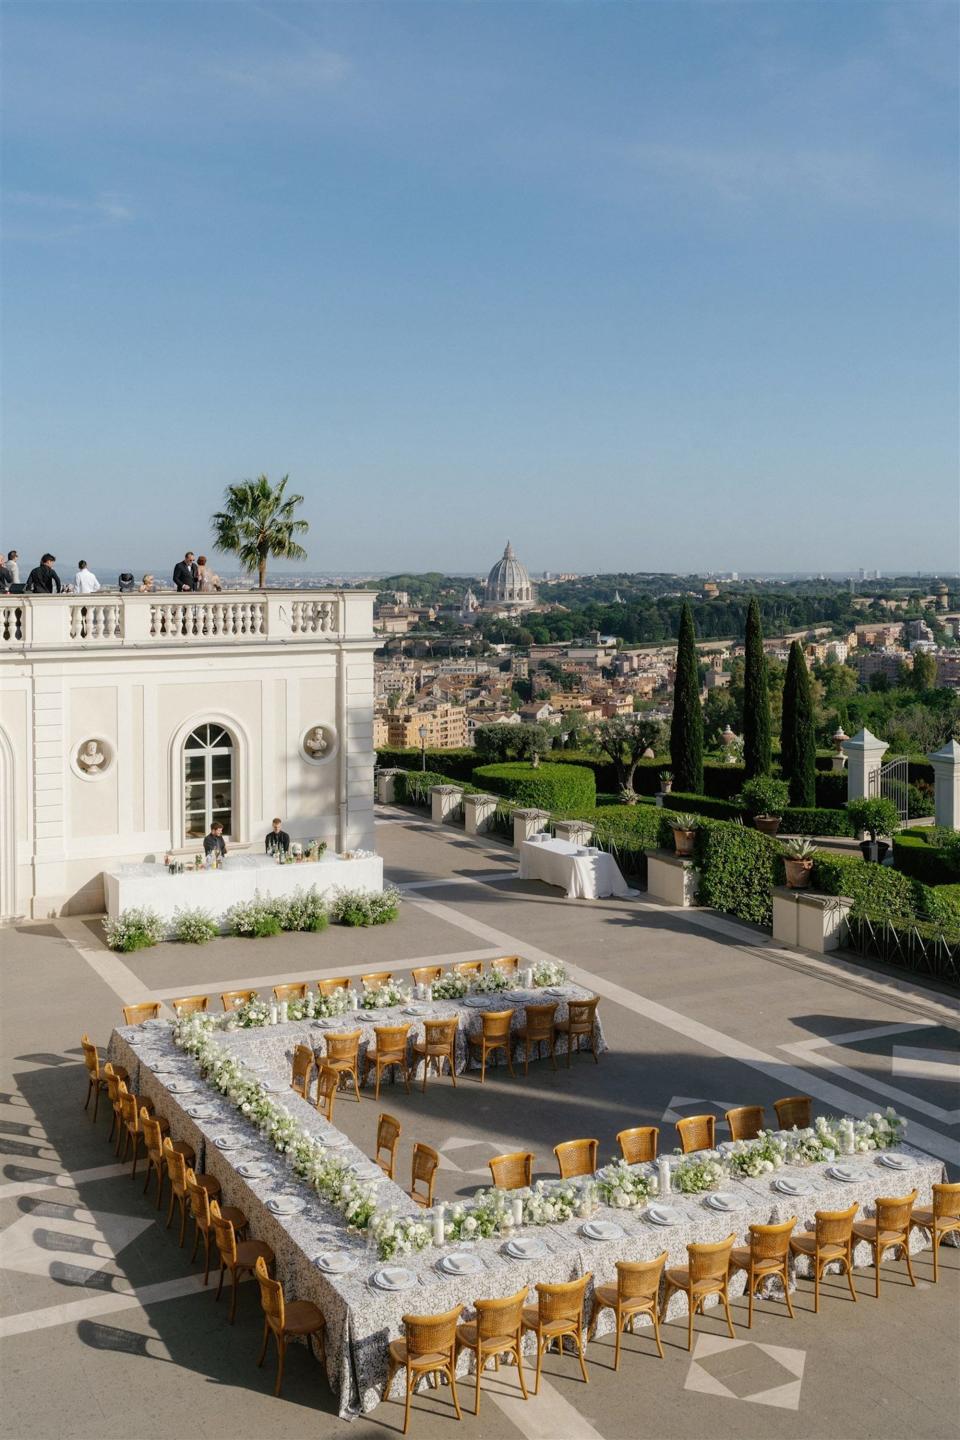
[361, 1320]
[240, 878]
[583, 871]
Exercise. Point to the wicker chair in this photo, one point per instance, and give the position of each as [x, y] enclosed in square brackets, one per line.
[233, 999]
[302, 1074]
[96, 1081]
[888, 1230]
[438, 1044]
[327, 1083]
[427, 974]
[497, 1330]
[512, 1172]
[429, 1347]
[940, 1219]
[329, 987]
[538, 1030]
[388, 1138]
[190, 1004]
[132, 1125]
[289, 992]
[508, 965]
[697, 1132]
[137, 1014]
[177, 1172]
[203, 1220]
[390, 1054]
[423, 1172]
[470, 969]
[154, 1132]
[343, 1056]
[706, 1273]
[580, 1024]
[767, 1254]
[494, 1035]
[794, 1112]
[745, 1122]
[830, 1242]
[113, 1083]
[375, 978]
[558, 1312]
[636, 1292]
[639, 1144]
[576, 1157]
[237, 1256]
[280, 1319]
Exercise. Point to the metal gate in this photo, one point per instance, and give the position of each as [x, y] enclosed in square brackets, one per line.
[892, 781]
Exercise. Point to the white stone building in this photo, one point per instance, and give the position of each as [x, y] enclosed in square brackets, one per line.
[129, 722]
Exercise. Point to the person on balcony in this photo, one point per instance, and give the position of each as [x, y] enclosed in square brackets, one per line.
[85, 582]
[214, 843]
[185, 573]
[277, 839]
[6, 576]
[13, 565]
[43, 579]
[207, 577]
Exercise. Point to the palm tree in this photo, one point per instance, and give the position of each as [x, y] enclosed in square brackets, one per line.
[258, 521]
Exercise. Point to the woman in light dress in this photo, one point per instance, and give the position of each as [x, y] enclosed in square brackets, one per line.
[207, 577]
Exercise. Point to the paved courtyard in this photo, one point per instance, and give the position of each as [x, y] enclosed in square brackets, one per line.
[106, 1331]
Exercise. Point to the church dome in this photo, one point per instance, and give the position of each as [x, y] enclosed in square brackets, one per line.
[508, 582]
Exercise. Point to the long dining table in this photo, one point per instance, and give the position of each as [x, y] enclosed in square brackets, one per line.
[360, 1318]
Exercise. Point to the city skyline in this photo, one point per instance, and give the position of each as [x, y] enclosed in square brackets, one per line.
[687, 270]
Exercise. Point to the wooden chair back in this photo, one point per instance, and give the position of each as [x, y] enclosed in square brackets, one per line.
[327, 1082]
[835, 1227]
[639, 1143]
[328, 987]
[581, 1015]
[303, 1063]
[431, 1334]
[946, 1201]
[576, 1157]
[427, 974]
[113, 1086]
[129, 1109]
[233, 999]
[199, 1200]
[640, 1279]
[469, 968]
[90, 1057]
[176, 1167]
[388, 1137]
[225, 1234]
[375, 978]
[563, 1301]
[794, 1112]
[496, 1026]
[391, 1040]
[424, 1171]
[293, 991]
[496, 1318]
[745, 1121]
[345, 1046]
[771, 1242]
[271, 1298]
[894, 1211]
[710, 1264]
[697, 1132]
[513, 1171]
[439, 1035]
[507, 964]
[137, 1014]
[152, 1134]
[540, 1021]
[190, 1004]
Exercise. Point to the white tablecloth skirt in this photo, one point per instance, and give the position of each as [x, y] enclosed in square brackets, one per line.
[584, 872]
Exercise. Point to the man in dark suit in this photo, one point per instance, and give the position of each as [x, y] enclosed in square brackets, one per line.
[43, 579]
[277, 839]
[185, 573]
[214, 843]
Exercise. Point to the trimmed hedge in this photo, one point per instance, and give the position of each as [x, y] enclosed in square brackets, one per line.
[940, 904]
[876, 890]
[702, 805]
[797, 820]
[738, 870]
[454, 765]
[548, 787]
[930, 864]
[831, 789]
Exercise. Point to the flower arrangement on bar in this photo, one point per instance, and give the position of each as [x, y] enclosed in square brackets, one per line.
[705, 1171]
[549, 972]
[450, 986]
[398, 1234]
[382, 997]
[622, 1187]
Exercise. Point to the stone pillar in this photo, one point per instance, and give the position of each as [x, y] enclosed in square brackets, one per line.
[444, 803]
[478, 813]
[578, 832]
[864, 755]
[527, 823]
[387, 786]
[946, 785]
[671, 878]
[807, 920]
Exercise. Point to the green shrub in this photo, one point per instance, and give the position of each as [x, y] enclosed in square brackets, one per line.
[831, 788]
[254, 919]
[365, 907]
[938, 903]
[134, 929]
[878, 891]
[304, 910]
[875, 814]
[738, 869]
[815, 821]
[546, 787]
[917, 854]
[702, 805]
[194, 927]
[763, 795]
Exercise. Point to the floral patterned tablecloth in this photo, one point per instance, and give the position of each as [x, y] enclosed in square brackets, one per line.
[361, 1319]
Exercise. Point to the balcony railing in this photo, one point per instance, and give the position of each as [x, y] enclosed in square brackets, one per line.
[109, 620]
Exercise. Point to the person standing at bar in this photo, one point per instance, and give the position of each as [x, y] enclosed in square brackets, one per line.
[277, 841]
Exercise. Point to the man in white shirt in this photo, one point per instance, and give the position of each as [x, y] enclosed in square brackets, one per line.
[85, 582]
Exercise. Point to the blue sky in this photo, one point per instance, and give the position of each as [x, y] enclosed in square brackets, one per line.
[642, 286]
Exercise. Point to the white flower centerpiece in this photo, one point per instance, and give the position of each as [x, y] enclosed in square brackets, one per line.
[398, 1234]
[698, 1173]
[450, 986]
[383, 997]
[758, 1157]
[549, 973]
[492, 982]
[622, 1187]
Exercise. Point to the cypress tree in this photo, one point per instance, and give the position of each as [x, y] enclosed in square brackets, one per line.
[686, 727]
[797, 740]
[756, 699]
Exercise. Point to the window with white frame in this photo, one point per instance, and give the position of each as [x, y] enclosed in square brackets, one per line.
[208, 781]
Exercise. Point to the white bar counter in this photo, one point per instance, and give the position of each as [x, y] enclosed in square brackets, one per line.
[239, 878]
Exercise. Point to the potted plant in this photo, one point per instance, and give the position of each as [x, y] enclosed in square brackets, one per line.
[684, 829]
[878, 816]
[798, 862]
[666, 781]
[765, 800]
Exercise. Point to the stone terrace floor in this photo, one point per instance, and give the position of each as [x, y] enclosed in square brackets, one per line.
[106, 1332]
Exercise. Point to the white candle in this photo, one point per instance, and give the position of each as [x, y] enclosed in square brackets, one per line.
[516, 1210]
[438, 1226]
[663, 1173]
[528, 978]
[283, 1012]
[274, 1014]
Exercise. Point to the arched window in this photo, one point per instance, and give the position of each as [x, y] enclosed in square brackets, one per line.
[208, 781]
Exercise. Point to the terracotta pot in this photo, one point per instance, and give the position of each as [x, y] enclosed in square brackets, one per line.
[767, 824]
[798, 873]
[683, 841]
[666, 786]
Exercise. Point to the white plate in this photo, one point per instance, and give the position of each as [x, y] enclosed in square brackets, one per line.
[336, 1262]
[601, 1230]
[895, 1162]
[254, 1171]
[723, 1202]
[785, 1186]
[414, 1009]
[368, 1172]
[482, 1001]
[229, 1142]
[840, 1172]
[199, 1112]
[332, 1141]
[285, 1204]
[393, 1277]
[460, 1263]
[181, 1087]
[526, 1249]
[663, 1215]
